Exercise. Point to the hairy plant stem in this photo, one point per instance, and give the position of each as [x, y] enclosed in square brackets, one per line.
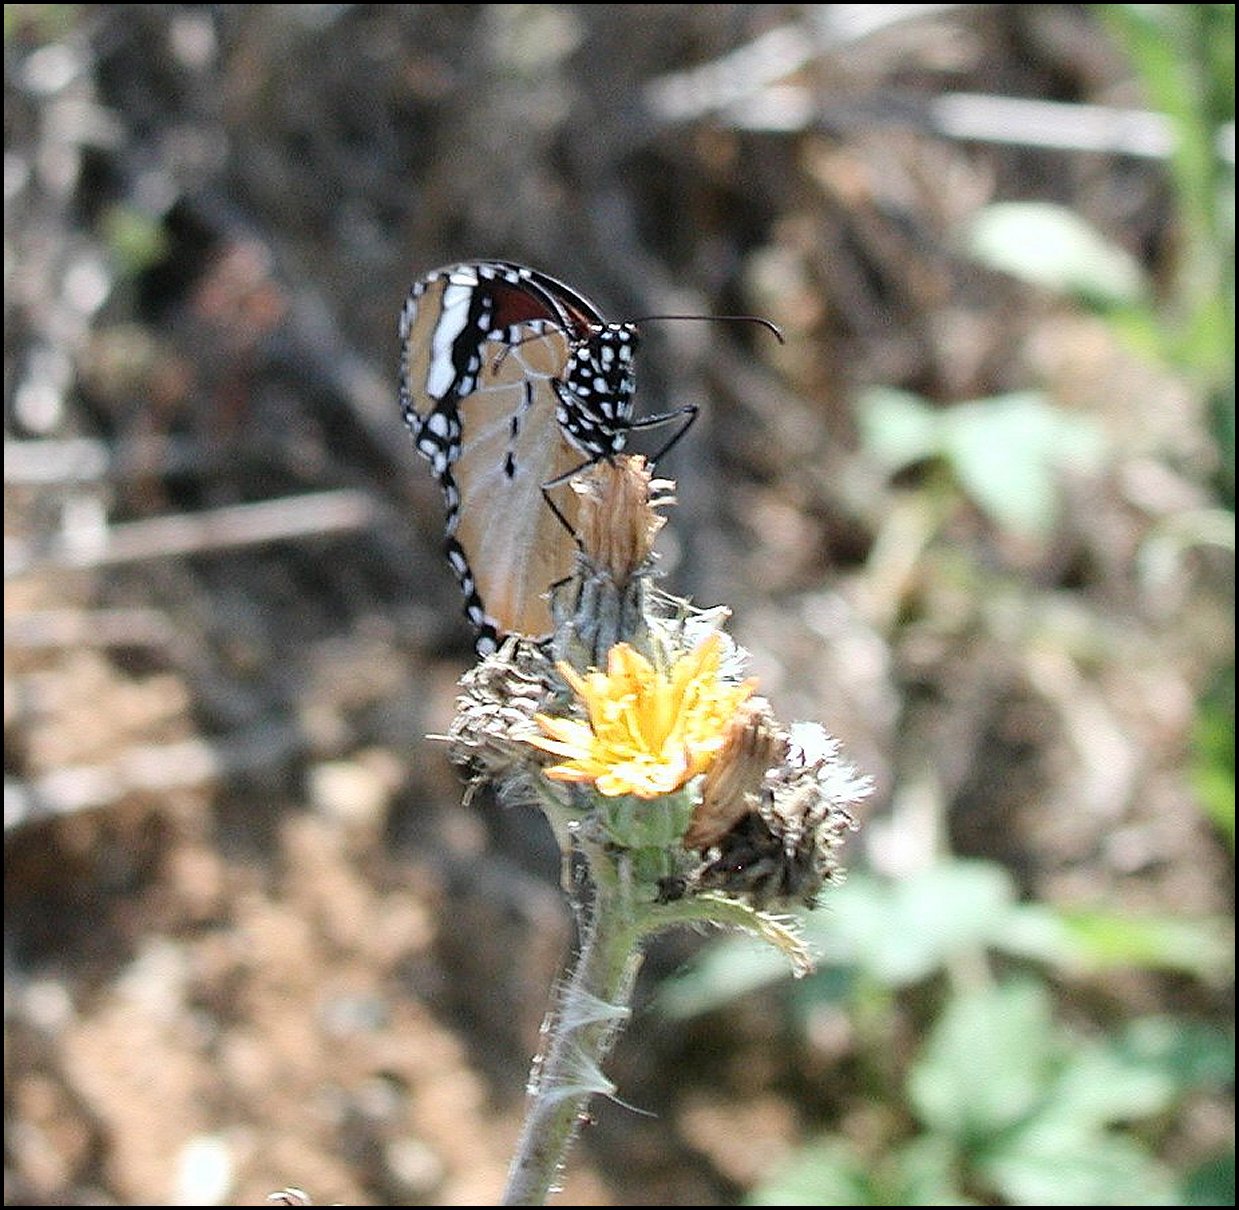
[654, 709]
[592, 1006]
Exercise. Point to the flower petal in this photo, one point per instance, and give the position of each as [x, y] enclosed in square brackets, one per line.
[649, 731]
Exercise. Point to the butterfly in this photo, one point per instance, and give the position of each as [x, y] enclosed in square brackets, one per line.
[511, 382]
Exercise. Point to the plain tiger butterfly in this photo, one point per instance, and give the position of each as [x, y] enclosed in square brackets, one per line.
[511, 382]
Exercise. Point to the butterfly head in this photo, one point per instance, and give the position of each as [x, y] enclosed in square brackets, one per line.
[596, 389]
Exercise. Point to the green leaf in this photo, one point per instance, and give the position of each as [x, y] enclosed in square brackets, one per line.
[1184, 55]
[902, 931]
[1196, 1056]
[821, 1174]
[1186, 59]
[833, 1173]
[1212, 1183]
[1096, 939]
[897, 428]
[1050, 1165]
[1213, 755]
[1050, 246]
[1152, 942]
[1007, 453]
[896, 931]
[1101, 1085]
[924, 1174]
[1061, 1151]
[987, 1063]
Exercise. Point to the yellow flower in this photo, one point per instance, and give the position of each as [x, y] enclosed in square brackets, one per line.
[649, 731]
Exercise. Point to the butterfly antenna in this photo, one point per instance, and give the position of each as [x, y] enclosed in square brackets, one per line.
[747, 319]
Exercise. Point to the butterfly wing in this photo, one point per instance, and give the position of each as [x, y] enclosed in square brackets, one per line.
[515, 544]
[483, 345]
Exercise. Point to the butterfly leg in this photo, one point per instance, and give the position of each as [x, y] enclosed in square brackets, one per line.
[688, 413]
[559, 481]
[546, 487]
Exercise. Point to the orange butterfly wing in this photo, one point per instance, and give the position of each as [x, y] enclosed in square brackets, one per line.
[481, 400]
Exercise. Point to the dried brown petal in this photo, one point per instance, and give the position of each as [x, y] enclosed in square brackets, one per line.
[617, 523]
[733, 784]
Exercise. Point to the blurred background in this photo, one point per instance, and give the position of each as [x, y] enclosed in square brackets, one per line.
[976, 517]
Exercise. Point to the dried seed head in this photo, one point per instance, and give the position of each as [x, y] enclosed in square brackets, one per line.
[495, 711]
[784, 851]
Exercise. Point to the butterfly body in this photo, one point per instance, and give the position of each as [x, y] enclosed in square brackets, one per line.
[510, 382]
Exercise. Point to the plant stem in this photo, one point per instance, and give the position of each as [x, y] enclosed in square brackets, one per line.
[591, 1008]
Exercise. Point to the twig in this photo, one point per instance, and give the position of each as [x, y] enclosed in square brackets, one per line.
[153, 768]
[50, 460]
[192, 533]
[89, 628]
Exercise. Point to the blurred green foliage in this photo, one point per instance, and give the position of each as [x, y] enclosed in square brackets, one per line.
[1007, 1103]
[1213, 765]
[1005, 454]
[52, 21]
[1009, 1098]
[1184, 55]
[136, 240]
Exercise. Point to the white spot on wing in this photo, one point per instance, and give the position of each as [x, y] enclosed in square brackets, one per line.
[453, 316]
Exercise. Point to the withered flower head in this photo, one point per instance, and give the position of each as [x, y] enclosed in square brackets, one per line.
[495, 711]
[617, 523]
[785, 850]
